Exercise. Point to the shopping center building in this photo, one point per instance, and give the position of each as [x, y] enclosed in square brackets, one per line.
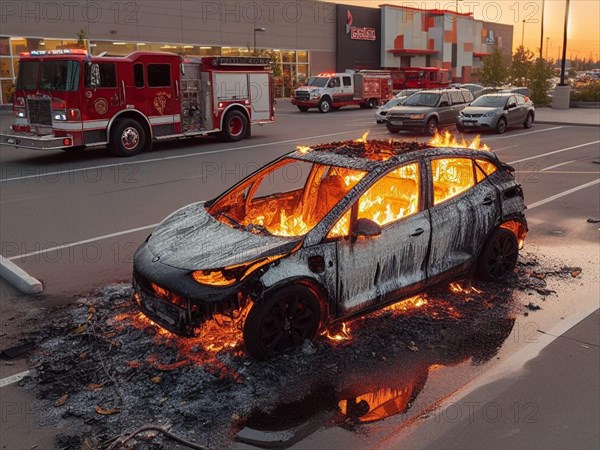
[305, 37]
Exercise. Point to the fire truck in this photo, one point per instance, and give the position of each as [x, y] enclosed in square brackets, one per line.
[420, 78]
[327, 91]
[69, 100]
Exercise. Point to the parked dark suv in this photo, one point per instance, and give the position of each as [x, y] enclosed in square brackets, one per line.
[426, 111]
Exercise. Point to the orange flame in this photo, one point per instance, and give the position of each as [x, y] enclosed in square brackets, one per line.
[408, 304]
[363, 138]
[447, 140]
[303, 149]
[342, 335]
[458, 289]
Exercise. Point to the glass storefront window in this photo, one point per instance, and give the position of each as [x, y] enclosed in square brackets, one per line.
[5, 67]
[4, 46]
[112, 48]
[8, 87]
[302, 56]
[288, 57]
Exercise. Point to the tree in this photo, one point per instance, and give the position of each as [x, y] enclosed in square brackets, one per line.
[82, 39]
[522, 63]
[494, 71]
[539, 82]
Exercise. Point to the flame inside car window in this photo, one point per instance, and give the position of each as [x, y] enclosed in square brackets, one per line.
[484, 168]
[288, 198]
[451, 177]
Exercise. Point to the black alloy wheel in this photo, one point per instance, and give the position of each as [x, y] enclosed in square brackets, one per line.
[499, 255]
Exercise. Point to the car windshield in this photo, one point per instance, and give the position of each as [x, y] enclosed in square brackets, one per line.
[490, 101]
[288, 198]
[422, 99]
[318, 81]
[393, 102]
[406, 92]
[54, 76]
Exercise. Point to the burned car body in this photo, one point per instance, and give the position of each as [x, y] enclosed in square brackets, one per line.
[327, 233]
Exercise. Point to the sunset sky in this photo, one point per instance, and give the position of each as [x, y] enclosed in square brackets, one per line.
[584, 20]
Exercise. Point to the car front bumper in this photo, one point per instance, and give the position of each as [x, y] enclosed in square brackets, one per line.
[477, 122]
[156, 285]
[402, 123]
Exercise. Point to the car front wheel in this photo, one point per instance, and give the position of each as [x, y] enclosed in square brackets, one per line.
[431, 127]
[281, 321]
[528, 121]
[501, 126]
[325, 106]
[499, 255]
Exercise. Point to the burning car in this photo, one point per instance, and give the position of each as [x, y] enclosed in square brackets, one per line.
[328, 233]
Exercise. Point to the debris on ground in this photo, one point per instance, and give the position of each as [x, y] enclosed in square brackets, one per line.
[105, 370]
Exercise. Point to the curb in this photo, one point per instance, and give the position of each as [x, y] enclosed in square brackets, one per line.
[19, 278]
[573, 124]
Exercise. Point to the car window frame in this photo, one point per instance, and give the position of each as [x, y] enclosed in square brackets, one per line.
[353, 206]
[430, 187]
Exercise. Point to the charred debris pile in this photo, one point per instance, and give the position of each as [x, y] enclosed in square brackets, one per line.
[377, 150]
[103, 372]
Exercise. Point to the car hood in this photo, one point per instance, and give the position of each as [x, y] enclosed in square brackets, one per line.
[410, 110]
[308, 88]
[480, 110]
[192, 239]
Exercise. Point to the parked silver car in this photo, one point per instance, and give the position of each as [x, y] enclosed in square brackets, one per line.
[427, 110]
[381, 113]
[497, 112]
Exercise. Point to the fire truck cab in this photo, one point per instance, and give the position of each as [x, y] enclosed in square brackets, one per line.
[69, 100]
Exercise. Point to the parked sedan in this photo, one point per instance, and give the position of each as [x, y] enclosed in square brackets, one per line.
[380, 114]
[497, 112]
[427, 110]
[359, 225]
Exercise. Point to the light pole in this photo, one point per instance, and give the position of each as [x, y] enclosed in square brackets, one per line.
[523, 34]
[547, 45]
[261, 29]
[542, 35]
[564, 50]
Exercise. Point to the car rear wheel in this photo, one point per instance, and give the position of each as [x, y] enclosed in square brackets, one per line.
[393, 129]
[528, 121]
[303, 108]
[283, 320]
[499, 255]
[460, 128]
[501, 126]
[431, 127]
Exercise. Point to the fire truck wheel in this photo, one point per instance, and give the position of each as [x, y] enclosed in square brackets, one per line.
[431, 127]
[325, 106]
[282, 320]
[373, 103]
[235, 126]
[303, 108]
[127, 138]
[499, 255]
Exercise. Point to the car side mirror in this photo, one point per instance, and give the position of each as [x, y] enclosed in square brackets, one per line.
[366, 228]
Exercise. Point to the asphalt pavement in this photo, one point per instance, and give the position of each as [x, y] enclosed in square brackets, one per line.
[74, 220]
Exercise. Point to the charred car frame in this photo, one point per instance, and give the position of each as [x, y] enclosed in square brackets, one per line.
[328, 233]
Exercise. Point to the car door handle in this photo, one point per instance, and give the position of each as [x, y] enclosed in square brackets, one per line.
[487, 201]
[418, 232]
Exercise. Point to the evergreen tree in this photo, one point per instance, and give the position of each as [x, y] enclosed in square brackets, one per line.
[522, 64]
[539, 82]
[494, 71]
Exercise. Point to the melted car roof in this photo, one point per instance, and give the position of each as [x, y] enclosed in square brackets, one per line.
[377, 154]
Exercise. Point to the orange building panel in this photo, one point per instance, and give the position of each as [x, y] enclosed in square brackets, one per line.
[468, 47]
[399, 41]
[448, 36]
[431, 20]
[431, 44]
[466, 74]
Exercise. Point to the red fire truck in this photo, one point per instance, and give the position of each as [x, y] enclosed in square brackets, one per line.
[68, 100]
[420, 78]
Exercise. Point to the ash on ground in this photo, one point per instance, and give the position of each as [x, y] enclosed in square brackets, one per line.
[103, 370]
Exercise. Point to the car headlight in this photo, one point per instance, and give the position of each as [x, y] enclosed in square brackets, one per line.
[314, 95]
[489, 114]
[416, 116]
[232, 274]
[60, 117]
[460, 113]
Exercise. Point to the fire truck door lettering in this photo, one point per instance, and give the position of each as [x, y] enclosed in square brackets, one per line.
[160, 101]
[101, 106]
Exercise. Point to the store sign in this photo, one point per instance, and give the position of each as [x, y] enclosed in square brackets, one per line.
[359, 33]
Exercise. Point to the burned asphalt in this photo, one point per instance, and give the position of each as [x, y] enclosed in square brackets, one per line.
[102, 370]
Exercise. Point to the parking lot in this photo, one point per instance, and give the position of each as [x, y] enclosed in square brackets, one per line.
[74, 220]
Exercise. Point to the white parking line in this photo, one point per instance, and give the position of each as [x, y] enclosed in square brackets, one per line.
[189, 155]
[521, 134]
[554, 152]
[562, 194]
[14, 378]
[147, 227]
[558, 165]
